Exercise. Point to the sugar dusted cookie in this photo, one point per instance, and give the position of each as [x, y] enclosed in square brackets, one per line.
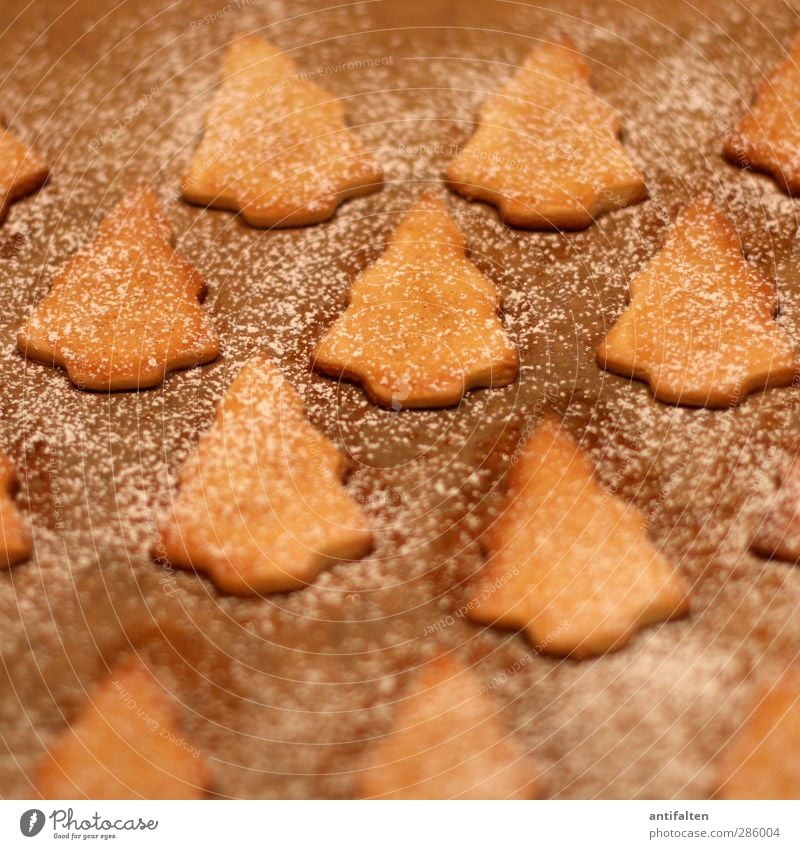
[767, 137]
[22, 170]
[778, 532]
[546, 151]
[124, 310]
[124, 744]
[760, 761]
[700, 327]
[447, 742]
[276, 146]
[569, 562]
[422, 325]
[261, 506]
[15, 538]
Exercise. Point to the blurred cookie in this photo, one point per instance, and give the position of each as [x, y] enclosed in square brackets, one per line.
[767, 136]
[759, 761]
[447, 742]
[700, 327]
[261, 507]
[15, 538]
[546, 150]
[778, 532]
[276, 146]
[567, 561]
[124, 745]
[22, 170]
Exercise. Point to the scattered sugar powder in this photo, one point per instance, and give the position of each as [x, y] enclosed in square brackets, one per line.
[284, 692]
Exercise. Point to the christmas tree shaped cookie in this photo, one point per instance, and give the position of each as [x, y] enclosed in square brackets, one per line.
[447, 743]
[778, 532]
[276, 146]
[569, 562]
[124, 744]
[15, 539]
[760, 761]
[21, 170]
[124, 310]
[422, 325]
[768, 135]
[700, 327]
[546, 151]
[261, 506]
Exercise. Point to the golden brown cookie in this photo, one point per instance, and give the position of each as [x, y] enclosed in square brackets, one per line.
[124, 745]
[778, 531]
[569, 562]
[422, 325]
[276, 146]
[546, 151]
[760, 761]
[767, 136]
[447, 742]
[124, 310]
[22, 170]
[261, 506]
[15, 538]
[700, 327]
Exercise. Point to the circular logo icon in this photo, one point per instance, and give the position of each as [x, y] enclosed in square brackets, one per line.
[31, 822]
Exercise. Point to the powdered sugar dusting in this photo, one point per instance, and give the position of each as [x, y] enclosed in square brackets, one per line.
[283, 693]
